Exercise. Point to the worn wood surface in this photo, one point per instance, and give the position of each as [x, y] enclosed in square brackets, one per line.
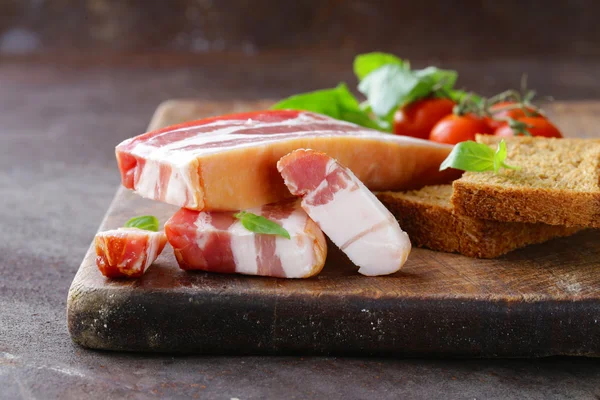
[539, 301]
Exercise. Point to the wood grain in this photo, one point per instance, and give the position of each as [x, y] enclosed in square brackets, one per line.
[540, 301]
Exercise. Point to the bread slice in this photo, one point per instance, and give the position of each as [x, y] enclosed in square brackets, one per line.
[558, 183]
[427, 216]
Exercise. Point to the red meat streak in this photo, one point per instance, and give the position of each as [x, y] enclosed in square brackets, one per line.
[121, 248]
[178, 132]
[238, 141]
[216, 255]
[306, 170]
[267, 261]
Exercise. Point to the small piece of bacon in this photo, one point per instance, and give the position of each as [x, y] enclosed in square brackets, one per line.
[127, 252]
[352, 217]
[218, 242]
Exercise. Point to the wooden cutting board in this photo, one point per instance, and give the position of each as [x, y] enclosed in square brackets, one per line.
[540, 301]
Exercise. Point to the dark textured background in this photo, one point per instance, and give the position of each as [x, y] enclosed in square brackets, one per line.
[446, 29]
[76, 77]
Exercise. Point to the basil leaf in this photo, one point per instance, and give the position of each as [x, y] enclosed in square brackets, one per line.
[433, 80]
[442, 78]
[260, 224]
[477, 157]
[500, 156]
[392, 86]
[387, 87]
[146, 222]
[364, 64]
[338, 103]
[470, 156]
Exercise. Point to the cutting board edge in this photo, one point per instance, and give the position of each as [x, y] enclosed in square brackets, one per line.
[74, 311]
[488, 332]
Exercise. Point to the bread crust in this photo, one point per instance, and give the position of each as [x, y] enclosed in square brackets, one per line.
[434, 225]
[558, 183]
[533, 205]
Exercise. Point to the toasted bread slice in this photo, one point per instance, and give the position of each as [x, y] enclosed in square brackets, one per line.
[427, 216]
[558, 183]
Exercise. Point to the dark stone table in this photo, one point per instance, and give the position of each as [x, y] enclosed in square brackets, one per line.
[59, 123]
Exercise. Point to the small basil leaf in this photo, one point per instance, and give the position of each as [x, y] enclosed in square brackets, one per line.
[470, 156]
[500, 156]
[259, 224]
[146, 222]
[364, 64]
[477, 157]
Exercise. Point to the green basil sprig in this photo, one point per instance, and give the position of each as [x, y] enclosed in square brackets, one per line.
[387, 82]
[146, 222]
[338, 103]
[395, 85]
[477, 157]
[260, 224]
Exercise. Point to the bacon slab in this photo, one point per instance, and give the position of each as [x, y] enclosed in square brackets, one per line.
[217, 242]
[127, 252]
[229, 163]
[352, 217]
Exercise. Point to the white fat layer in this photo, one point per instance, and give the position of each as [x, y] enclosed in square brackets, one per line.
[297, 254]
[180, 184]
[352, 214]
[180, 188]
[154, 239]
[204, 221]
[149, 178]
[381, 252]
[243, 248]
[348, 214]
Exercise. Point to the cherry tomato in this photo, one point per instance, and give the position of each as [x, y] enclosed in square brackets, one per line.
[537, 126]
[516, 113]
[417, 118]
[458, 128]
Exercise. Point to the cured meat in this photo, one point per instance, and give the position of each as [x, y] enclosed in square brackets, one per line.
[229, 163]
[127, 252]
[352, 217]
[218, 242]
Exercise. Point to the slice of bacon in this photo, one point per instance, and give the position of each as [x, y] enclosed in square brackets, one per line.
[127, 252]
[229, 163]
[218, 242]
[352, 217]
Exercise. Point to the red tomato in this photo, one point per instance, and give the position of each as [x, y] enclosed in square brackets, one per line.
[458, 128]
[537, 126]
[417, 118]
[516, 113]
